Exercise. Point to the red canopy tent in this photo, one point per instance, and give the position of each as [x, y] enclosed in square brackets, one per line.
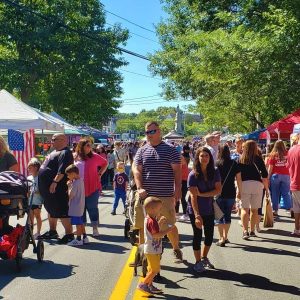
[284, 126]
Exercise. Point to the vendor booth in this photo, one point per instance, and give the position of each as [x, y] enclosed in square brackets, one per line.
[282, 128]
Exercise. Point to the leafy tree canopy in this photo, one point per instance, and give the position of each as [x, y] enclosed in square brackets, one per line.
[237, 59]
[60, 54]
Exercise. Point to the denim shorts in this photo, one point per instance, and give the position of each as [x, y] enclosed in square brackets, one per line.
[225, 205]
[76, 220]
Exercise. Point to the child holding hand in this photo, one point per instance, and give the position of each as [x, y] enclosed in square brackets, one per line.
[37, 200]
[153, 242]
[76, 204]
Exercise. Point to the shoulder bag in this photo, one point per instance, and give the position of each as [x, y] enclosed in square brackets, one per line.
[217, 210]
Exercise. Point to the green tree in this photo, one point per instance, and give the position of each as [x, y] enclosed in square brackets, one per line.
[61, 55]
[237, 59]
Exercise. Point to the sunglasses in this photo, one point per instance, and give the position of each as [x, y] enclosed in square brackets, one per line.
[88, 145]
[151, 132]
[53, 140]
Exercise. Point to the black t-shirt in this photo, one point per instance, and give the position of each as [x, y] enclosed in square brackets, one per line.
[252, 172]
[55, 163]
[228, 190]
[186, 151]
[7, 161]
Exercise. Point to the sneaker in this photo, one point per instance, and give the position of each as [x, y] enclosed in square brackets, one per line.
[199, 267]
[252, 234]
[296, 232]
[49, 235]
[246, 235]
[75, 243]
[178, 255]
[113, 213]
[66, 239]
[155, 290]
[36, 236]
[144, 288]
[227, 241]
[95, 232]
[184, 218]
[86, 240]
[206, 263]
[221, 243]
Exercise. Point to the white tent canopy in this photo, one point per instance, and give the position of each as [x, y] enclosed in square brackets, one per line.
[296, 128]
[15, 114]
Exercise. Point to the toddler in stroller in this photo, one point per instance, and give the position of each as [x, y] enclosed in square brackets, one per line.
[14, 202]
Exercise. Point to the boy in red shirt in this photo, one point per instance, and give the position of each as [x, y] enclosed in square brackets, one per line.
[153, 242]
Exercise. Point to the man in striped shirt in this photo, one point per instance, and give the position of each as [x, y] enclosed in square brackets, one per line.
[157, 172]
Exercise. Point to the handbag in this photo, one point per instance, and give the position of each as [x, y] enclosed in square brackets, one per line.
[268, 214]
[217, 210]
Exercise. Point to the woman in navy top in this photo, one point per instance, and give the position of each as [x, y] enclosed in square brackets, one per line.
[204, 183]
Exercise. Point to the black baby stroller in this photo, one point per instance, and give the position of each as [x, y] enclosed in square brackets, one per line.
[14, 191]
[130, 232]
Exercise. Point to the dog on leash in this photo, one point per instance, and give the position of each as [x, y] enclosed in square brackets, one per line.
[140, 260]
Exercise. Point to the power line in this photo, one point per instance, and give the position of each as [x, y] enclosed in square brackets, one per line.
[143, 100]
[142, 27]
[61, 24]
[140, 74]
[139, 97]
[141, 36]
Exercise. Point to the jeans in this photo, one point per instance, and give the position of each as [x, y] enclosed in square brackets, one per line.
[119, 194]
[226, 207]
[184, 190]
[110, 176]
[208, 225]
[91, 206]
[280, 186]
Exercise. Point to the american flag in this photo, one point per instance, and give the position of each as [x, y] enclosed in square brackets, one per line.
[22, 147]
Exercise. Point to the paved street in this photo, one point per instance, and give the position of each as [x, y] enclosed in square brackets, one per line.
[263, 268]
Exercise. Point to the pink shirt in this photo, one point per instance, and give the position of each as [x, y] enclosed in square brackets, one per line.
[91, 177]
[293, 164]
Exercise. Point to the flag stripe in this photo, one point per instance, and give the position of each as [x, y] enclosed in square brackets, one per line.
[22, 156]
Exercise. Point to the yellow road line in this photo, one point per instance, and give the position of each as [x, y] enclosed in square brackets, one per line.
[122, 287]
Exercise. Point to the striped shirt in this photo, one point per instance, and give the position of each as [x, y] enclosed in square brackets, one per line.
[158, 175]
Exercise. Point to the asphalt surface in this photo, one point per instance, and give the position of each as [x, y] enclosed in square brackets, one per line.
[266, 267]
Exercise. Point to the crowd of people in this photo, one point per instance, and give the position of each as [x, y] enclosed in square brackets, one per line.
[235, 176]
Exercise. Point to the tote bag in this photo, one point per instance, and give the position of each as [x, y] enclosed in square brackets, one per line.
[268, 214]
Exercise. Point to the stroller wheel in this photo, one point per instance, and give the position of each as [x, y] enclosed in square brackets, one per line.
[18, 262]
[126, 228]
[40, 251]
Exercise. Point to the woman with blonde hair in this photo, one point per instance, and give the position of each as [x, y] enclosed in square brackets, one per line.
[254, 180]
[279, 177]
[7, 161]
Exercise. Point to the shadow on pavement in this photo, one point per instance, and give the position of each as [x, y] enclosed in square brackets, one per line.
[246, 280]
[33, 269]
[103, 247]
[281, 242]
[277, 232]
[276, 251]
[113, 226]
[112, 238]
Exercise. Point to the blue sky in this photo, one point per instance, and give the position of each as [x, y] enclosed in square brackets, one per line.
[145, 13]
